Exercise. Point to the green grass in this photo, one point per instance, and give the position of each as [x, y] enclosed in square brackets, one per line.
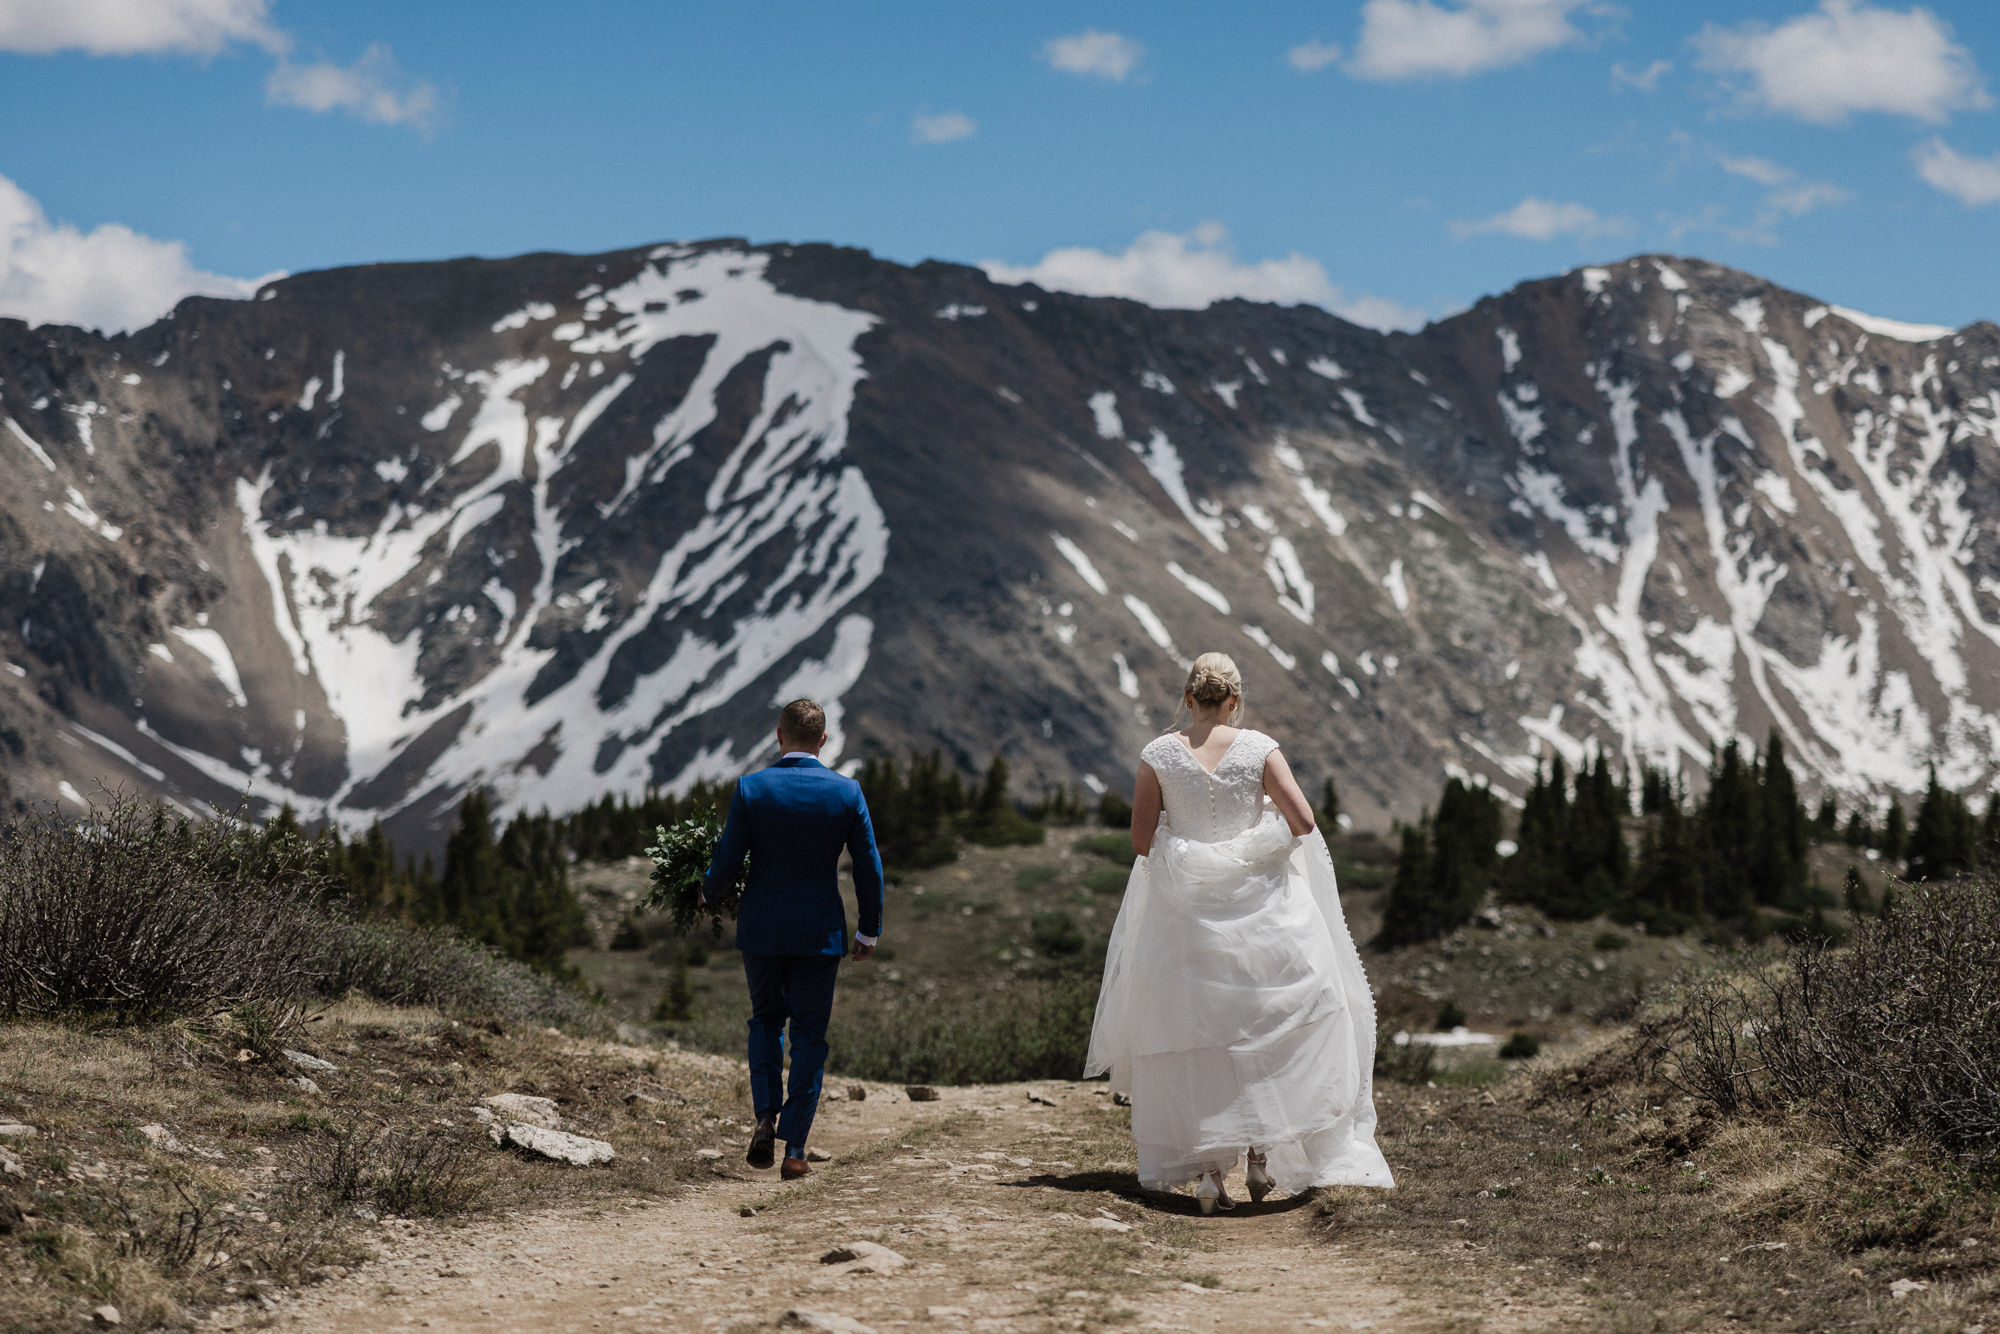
[1031, 878]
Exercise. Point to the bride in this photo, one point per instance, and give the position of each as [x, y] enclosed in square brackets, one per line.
[1234, 1011]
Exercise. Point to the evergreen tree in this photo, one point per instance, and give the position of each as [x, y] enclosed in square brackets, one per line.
[1946, 836]
[1329, 808]
[1989, 826]
[1826, 822]
[1731, 827]
[1858, 833]
[1780, 868]
[1854, 893]
[1667, 886]
[1895, 832]
[993, 821]
[1445, 866]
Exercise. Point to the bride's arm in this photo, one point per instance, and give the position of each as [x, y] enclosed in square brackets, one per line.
[1146, 805]
[1283, 790]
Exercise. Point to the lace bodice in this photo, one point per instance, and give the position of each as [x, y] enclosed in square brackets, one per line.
[1209, 807]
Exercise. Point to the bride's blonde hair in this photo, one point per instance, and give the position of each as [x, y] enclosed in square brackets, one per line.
[1214, 680]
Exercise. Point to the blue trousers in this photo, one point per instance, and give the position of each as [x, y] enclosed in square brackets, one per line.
[798, 988]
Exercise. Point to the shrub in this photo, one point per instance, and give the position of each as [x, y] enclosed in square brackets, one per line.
[1035, 1031]
[139, 914]
[1520, 1047]
[1056, 934]
[1608, 940]
[1112, 847]
[1113, 811]
[1031, 878]
[424, 1170]
[1107, 880]
[1450, 1015]
[1406, 1062]
[403, 965]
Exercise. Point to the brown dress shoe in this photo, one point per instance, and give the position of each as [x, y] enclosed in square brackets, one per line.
[761, 1141]
[793, 1168]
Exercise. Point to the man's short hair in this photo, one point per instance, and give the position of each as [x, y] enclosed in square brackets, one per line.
[802, 721]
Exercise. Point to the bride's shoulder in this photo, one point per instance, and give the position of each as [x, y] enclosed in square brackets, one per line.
[1161, 747]
[1261, 742]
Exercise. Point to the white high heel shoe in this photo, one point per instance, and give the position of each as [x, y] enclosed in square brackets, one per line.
[1256, 1179]
[1210, 1195]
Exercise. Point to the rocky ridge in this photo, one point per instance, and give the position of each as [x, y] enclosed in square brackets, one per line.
[564, 525]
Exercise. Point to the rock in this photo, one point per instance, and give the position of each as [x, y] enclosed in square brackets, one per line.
[747, 1211]
[107, 1315]
[1121, 1099]
[1103, 1224]
[15, 1130]
[636, 1098]
[1594, 1246]
[483, 1115]
[834, 1095]
[304, 1083]
[12, 1219]
[1488, 919]
[711, 1155]
[864, 1257]
[162, 1138]
[818, 1156]
[1486, 1099]
[856, 1093]
[558, 1145]
[521, 1107]
[801, 1318]
[943, 1311]
[1903, 1287]
[10, 1165]
[920, 1093]
[1041, 1098]
[307, 1061]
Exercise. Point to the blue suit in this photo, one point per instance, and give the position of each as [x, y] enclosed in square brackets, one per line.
[793, 820]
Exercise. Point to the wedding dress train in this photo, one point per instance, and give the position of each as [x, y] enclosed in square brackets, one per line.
[1234, 1011]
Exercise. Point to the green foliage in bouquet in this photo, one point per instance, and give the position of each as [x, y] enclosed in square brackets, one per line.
[681, 854]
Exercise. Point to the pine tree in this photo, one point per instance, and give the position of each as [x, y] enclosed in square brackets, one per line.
[1445, 866]
[1782, 869]
[1826, 821]
[1946, 837]
[1667, 885]
[1895, 832]
[1408, 915]
[1858, 833]
[1854, 893]
[1329, 808]
[1731, 835]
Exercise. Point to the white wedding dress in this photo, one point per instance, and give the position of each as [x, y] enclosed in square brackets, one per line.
[1234, 1012]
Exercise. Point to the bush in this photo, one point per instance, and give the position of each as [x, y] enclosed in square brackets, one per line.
[403, 965]
[1107, 880]
[1450, 1015]
[420, 1171]
[1406, 1062]
[1037, 1031]
[1520, 1047]
[1114, 812]
[135, 913]
[1112, 847]
[1031, 878]
[1056, 934]
[1608, 940]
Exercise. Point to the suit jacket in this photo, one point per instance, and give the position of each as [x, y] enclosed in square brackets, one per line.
[792, 820]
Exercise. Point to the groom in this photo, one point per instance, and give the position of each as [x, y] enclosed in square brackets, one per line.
[792, 820]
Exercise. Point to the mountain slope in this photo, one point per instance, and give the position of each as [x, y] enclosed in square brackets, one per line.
[572, 524]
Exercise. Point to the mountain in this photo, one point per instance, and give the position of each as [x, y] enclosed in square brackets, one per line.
[565, 525]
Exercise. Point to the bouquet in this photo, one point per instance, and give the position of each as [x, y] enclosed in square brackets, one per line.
[681, 855]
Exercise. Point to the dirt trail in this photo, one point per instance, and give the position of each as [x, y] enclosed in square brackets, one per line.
[1012, 1215]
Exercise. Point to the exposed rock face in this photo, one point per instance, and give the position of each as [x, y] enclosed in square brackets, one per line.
[567, 525]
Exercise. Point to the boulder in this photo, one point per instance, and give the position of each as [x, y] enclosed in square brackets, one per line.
[1103, 1224]
[11, 1165]
[558, 1146]
[304, 1083]
[106, 1315]
[15, 1130]
[856, 1093]
[818, 1156]
[521, 1107]
[920, 1093]
[162, 1138]
[801, 1318]
[307, 1061]
[864, 1257]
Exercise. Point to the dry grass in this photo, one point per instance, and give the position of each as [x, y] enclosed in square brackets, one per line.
[270, 1183]
[1582, 1176]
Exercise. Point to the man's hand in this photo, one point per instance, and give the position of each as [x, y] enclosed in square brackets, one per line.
[861, 951]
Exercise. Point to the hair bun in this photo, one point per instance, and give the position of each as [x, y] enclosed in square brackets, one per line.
[1214, 679]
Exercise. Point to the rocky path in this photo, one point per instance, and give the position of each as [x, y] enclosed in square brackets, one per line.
[1000, 1208]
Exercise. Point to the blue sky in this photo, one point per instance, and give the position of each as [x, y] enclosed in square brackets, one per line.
[1393, 159]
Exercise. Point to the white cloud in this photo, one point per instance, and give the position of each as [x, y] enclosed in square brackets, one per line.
[1195, 269]
[1542, 220]
[1789, 192]
[1098, 55]
[134, 27]
[1645, 80]
[1408, 39]
[1848, 57]
[1973, 181]
[942, 128]
[111, 278]
[372, 89]
[1312, 56]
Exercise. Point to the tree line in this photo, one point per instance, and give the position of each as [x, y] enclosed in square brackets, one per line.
[1738, 854]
